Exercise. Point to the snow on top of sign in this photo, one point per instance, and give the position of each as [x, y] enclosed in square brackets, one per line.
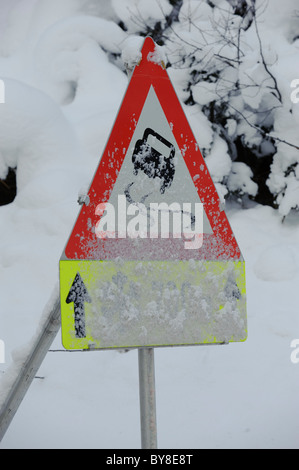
[131, 51]
[157, 56]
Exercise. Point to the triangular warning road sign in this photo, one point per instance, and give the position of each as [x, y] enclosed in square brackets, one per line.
[152, 158]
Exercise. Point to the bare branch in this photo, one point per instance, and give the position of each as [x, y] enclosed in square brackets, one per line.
[279, 97]
[262, 131]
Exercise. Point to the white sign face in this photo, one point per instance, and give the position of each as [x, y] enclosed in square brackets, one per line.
[148, 183]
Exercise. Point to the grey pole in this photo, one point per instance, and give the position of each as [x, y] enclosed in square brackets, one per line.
[147, 396]
[39, 349]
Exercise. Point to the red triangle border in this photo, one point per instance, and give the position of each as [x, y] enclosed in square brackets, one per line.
[83, 244]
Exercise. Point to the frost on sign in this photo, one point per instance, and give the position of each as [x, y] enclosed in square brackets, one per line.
[152, 259]
[134, 304]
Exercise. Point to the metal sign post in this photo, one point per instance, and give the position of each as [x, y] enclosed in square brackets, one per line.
[147, 394]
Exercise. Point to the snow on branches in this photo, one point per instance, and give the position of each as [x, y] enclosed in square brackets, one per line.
[228, 63]
[232, 63]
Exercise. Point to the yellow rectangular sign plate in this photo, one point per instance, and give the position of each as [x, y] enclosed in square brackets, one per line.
[131, 304]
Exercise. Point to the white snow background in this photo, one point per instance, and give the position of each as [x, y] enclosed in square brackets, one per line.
[62, 96]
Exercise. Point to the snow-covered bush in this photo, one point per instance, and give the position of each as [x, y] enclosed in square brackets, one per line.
[229, 68]
[232, 62]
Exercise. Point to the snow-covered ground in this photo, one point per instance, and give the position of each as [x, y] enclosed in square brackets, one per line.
[243, 395]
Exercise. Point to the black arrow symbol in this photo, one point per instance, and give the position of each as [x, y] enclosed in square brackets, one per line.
[78, 294]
